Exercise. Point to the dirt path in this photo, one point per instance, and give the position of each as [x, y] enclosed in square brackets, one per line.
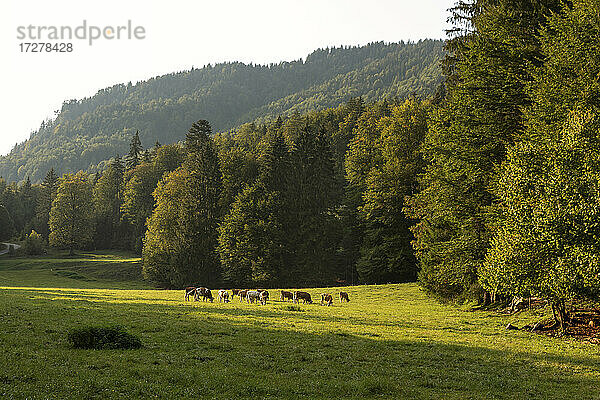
[7, 245]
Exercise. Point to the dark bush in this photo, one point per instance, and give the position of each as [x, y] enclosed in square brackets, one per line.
[292, 308]
[99, 338]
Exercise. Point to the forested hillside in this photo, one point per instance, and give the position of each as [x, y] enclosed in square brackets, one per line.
[87, 132]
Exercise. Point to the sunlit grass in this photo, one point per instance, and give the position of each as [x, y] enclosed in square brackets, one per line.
[85, 270]
[390, 341]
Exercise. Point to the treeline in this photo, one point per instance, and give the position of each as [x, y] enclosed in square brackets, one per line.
[82, 211]
[306, 200]
[85, 133]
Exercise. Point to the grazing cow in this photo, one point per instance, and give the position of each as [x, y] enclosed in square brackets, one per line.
[304, 296]
[252, 296]
[344, 296]
[204, 293]
[242, 294]
[326, 298]
[286, 295]
[264, 296]
[235, 292]
[189, 291]
[223, 296]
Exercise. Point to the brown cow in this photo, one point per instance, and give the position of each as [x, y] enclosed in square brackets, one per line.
[190, 290]
[242, 294]
[286, 295]
[304, 296]
[223, 296]
[204, 293]
[235, 292]
[344, 296]
[264, 296]
[326, 298]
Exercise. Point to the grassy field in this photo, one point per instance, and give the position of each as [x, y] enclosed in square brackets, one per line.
[99, 270]
[390, 341]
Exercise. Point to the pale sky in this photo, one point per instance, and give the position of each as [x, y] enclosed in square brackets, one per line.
[180, 34]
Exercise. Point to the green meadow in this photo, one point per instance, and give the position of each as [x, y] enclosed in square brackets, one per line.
[390, 341]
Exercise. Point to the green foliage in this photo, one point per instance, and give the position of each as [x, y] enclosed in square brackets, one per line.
[6, 224]
[310, 198]
[107, 202]
[135, 151]
[103, 338]
[89, 131]
[488, 66]
[547, 237]
[47, 193]
[251, 239]
[71, 216]
[141, 182]
[180, 244]
[383, 162]
[19, 202]
[34, 244]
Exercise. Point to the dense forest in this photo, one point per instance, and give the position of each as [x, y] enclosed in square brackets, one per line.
[486, 190]
[86, 133]
[309, 199]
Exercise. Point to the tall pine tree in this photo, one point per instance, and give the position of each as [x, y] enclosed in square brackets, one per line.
[181, 241]
[488, 66]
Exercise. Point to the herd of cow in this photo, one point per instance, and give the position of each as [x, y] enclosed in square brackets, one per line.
[257, 296]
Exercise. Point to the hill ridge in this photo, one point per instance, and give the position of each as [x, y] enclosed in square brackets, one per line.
[93, 129]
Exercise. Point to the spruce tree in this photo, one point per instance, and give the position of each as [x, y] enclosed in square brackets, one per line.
[135, 152]
[180, 246]
[44, 203]
[6, 224]
[488, 66]
[107, 199]
[311, 227]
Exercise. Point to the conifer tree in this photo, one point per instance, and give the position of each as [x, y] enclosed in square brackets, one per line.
[386, 250]
[488, 66]
[44, 203]
[6, 224]
[309, 199]
[181, 241]
[252, 241]
[135, 152]
[107, 199]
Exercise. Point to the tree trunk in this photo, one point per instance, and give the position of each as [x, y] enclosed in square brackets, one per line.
[559, 310]
[486, 298]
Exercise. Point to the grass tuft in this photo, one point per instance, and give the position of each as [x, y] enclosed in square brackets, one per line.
[71, 275]
[292, 308]
[103, 338]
